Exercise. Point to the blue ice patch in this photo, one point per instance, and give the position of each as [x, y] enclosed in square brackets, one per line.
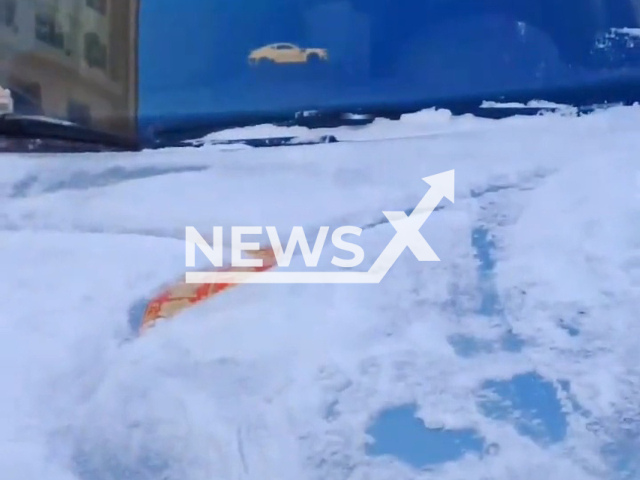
[399, 433]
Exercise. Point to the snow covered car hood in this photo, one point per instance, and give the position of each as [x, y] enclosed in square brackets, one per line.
[538, 282]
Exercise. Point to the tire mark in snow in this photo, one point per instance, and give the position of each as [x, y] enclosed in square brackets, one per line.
[83, 180]
[178, 234]
[483, 241]
[243, 458]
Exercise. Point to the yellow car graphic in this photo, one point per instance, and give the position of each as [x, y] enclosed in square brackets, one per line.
[286, 53]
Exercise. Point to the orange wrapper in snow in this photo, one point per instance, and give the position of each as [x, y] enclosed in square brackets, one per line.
[182, 295]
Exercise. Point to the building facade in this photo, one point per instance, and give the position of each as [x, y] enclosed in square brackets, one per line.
[72, 59]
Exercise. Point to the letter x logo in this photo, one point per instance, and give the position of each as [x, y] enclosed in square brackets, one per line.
[408, 226]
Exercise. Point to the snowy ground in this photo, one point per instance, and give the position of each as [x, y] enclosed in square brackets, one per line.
[519, 352]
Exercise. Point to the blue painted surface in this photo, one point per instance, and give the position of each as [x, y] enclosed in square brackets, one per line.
[484, 247]
[530, 403]
[400, 433]
[490, 305]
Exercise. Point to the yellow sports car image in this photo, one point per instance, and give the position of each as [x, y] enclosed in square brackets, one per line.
[286, 53]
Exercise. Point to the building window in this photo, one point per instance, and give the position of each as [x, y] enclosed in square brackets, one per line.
[95, 52]
[79, 113]
[98, 5]
[49, 31]
[8, 10]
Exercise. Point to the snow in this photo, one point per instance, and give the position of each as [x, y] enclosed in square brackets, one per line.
[530, 104]
[427, 122]
[531, 314]
[634, 32]
[6, 100]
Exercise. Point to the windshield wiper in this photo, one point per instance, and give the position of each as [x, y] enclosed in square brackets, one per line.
[190, 130]
[39, 133]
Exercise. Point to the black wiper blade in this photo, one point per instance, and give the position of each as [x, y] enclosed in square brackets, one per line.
[584, 98]
[331, 119]
[49, 134]
[190, 130]
[264, 142]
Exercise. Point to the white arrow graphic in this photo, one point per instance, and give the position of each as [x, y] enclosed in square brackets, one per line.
[407, 236]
